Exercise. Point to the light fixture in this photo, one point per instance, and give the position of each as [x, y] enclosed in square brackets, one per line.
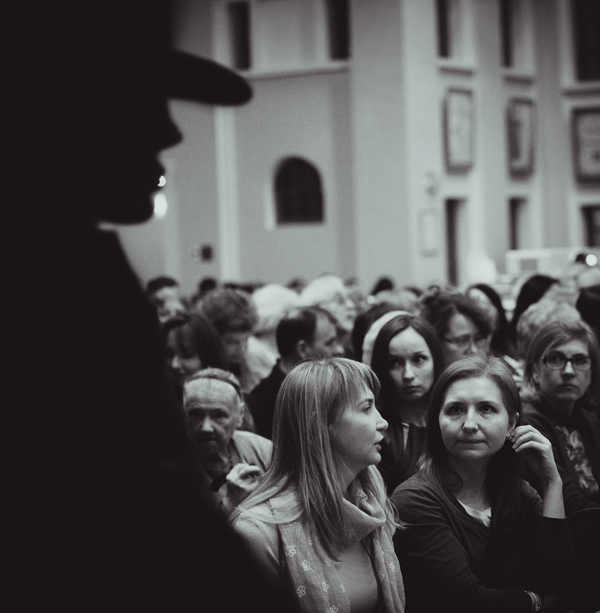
[160, 205]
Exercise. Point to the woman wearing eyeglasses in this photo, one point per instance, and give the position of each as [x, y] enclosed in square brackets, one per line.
[561, 399]
[461, 325]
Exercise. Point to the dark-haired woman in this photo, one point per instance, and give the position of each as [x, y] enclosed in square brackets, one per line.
[462, 327]
[192, 344]
[476, 537]
[489, 301]
[561, 400]
[407, 359]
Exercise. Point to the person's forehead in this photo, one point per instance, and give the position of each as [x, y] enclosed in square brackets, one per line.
[460, 324]
[478, 388]
[211, 391]
[575, 345]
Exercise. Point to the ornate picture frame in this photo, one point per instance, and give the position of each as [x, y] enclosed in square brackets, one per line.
[585, 127]
[520, 118]
[459, 130]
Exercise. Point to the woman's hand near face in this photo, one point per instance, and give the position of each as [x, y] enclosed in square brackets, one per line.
[536, 450]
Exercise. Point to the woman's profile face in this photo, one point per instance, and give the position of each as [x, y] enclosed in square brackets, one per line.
[182, 363]
[410, 365]
[357, 432]
[474, 420]
[562, 381]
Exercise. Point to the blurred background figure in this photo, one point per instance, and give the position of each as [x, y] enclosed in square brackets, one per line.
[490, 302]
[234, 316]
[272, 301]
[531, 291]
[192, 343]
[165, 294]
[308, 332]
[330, 293]
[205, 286]
[407, 359]
[561, 400]
[462, 327]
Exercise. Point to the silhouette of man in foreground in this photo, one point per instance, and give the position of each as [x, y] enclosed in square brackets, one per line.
[105, 500]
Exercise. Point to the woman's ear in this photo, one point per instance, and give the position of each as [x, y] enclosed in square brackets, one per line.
[514, 420]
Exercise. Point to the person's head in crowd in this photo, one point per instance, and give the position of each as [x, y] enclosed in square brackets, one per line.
[538, 315]
[165, 294]
[296, 284]
[489, 301]
[563, 364]
[205, 286]
[462, 327]
[407, 358]
[383, 284]
[532, 290]
[192, 344]
[330, 293]
[403, 298]
[476, 374]
[233, 314]
[272, 301]
[588, 305]
[213, 404]
[363, 322]
[307, 332]
[356, 294]
[319, 446]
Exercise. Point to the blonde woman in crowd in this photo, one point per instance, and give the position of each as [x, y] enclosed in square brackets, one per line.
[320, 520]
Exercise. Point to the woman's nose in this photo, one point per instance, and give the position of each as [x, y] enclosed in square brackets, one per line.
[382, 424]
[568, 369]
[470, 422]
[408, 372]
[175, 364]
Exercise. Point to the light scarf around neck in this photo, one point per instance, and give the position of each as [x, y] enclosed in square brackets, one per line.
[315, 579]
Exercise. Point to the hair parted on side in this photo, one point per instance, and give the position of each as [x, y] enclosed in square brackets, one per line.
[503, 480]
[380, 359]
[304, 457]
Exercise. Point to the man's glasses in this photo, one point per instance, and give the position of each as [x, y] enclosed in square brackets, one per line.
[558, 360]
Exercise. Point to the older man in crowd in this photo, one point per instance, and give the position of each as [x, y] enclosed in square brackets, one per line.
[308, 332]
[233, 459]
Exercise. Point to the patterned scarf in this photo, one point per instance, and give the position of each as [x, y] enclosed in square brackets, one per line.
[315, 579]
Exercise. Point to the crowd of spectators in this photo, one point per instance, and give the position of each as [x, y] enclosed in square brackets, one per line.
[232, 349]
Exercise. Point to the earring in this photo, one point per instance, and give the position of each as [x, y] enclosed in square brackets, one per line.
[510, 434]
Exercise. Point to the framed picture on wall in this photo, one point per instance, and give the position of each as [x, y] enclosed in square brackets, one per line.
[458, 130]
[520, 128]
[586, 144]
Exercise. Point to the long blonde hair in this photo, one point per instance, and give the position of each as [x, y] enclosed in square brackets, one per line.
[305, 458]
